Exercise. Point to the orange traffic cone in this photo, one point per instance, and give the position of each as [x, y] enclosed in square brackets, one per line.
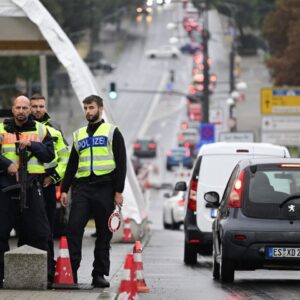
[63, 272]
[128, 287]
[127, 234]
[138, 264]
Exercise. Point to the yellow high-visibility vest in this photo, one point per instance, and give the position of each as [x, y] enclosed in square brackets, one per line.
[8, 146]
[95, 152]
[61, 154]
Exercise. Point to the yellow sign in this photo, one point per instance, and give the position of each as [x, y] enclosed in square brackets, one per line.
[280, 101]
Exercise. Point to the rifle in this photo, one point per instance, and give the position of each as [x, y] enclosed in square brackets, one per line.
[23, 184]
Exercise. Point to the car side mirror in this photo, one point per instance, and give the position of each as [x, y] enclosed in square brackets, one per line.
[212, 198]
[180, 186]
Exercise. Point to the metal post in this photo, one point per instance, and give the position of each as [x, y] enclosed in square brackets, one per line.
[205, 38]
[44, 77]
[232, 107]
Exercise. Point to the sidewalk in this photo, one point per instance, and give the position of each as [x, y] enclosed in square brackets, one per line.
[117, 256]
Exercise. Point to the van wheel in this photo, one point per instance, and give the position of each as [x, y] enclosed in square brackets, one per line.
[190, 254]
[226, 269]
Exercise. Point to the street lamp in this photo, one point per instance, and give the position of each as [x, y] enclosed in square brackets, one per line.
[232, 85]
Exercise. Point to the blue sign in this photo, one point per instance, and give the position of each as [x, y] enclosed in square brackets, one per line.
[93, 141]
[207, 134]
[286, 92]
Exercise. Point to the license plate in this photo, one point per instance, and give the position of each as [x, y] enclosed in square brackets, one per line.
[213, 212]
[283, 252]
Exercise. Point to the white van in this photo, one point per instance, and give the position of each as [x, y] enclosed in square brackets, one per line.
[211, 171]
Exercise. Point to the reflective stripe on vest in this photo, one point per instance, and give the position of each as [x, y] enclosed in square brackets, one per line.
[95, 152]
[8, 148]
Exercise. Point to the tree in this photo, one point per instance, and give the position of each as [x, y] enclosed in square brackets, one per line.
[282, 30]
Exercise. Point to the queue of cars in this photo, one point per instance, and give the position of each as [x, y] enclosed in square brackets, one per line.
[258, 220]
[228, 204]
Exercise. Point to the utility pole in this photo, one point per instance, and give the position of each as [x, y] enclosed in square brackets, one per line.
[206, 92]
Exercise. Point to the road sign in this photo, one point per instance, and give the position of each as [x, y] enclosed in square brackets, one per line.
[280, 101]
[216, 116]
[281, 138]
[247, 137]
[280, 123]
[207, 133]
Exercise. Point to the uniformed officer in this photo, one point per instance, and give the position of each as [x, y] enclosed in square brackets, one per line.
[98, 163]
[18, 134]
[55, 170]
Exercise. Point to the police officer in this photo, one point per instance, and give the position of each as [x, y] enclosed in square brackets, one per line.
[98, 163]
[18, 134]
[55, 170]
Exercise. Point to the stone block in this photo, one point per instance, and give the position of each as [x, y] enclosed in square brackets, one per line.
[25, 268]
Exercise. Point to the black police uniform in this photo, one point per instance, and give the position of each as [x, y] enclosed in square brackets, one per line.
[49, 192]
[94, 195]
[32, 222]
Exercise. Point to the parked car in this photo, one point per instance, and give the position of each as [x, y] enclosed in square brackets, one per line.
[258, 220]
[211, 171]
[179, 156]
[144, 147]
[137, 164]
[165, 51]
[173, 210]
[190, 48]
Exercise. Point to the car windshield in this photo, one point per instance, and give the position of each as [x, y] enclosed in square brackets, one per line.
[268, 189]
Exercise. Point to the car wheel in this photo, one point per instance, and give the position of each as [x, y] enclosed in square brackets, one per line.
[174, 55]
[166, 225]
[216, 266]
[169, 168]
[226, 269]
[175, 225]
[152, 56]
[190, 254]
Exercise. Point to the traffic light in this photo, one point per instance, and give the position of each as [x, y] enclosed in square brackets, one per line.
[112, 91]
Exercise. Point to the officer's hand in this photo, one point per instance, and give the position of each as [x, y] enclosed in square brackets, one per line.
[64, 199]
[24, 143]
[47, 181]
[119, 199]
[13, 171]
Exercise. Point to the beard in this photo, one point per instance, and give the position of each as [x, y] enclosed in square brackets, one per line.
[93, 118]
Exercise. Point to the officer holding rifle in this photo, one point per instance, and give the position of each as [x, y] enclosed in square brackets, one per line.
[25, 146]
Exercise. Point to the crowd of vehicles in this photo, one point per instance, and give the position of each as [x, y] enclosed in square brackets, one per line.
[257, 225]
[211, 171]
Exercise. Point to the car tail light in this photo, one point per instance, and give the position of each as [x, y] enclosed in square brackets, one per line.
[187, 153]
[136, 146]
[169, 153]
[152, 146]
[187, 144]
[236, 194]
[192, 200]
[184, 125]
[180, 136]
[240, 237]
[181, 202]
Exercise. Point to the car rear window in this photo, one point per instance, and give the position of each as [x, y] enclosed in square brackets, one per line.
[267, 189]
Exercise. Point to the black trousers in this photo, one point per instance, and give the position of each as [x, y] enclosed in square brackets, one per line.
[96, 199]
[50, 205]
[32, 222]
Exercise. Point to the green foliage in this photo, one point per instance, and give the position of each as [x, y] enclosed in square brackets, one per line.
[282, 30]
[16, 67]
